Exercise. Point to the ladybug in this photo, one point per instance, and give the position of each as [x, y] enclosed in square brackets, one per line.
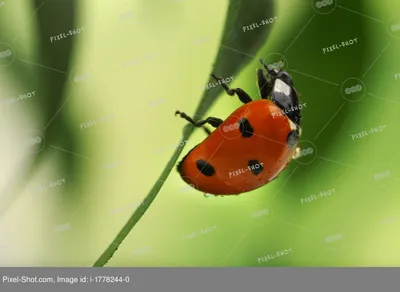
[253, 144]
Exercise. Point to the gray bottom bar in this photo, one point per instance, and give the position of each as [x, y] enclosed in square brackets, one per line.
[199, 279]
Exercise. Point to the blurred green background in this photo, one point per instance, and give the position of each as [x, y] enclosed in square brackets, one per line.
[96, 127]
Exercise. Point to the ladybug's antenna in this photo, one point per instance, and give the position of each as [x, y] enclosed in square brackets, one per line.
[283, 64]
[270, 72]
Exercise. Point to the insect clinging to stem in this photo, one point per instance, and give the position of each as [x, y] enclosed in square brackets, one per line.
[253, 144]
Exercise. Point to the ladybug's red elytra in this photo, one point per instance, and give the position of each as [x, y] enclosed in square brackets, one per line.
[252, 145]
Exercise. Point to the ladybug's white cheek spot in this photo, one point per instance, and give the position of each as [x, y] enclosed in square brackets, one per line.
[282, 87]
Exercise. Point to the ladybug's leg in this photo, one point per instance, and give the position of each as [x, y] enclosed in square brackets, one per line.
[265, 86]
[243, 96]
[215, 122]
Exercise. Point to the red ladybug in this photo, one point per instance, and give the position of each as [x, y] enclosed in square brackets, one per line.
[253, 145]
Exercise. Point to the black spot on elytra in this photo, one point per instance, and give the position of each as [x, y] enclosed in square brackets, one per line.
[245, 128]
[205, 168]
[255, 167]
[293, 138]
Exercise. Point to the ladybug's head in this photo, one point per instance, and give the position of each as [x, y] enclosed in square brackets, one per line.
[276, 72]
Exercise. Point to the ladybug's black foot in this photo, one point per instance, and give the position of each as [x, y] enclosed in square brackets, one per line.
[243, 96]
[264, 85]
[182, 115]
[215, 122]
